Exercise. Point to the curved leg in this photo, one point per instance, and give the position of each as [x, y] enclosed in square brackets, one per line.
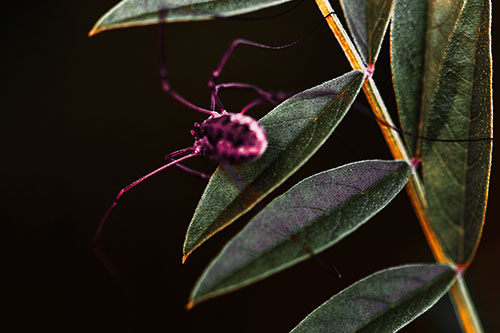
[171, 157]
[252, 104]
[367, 112]
[216, 73]
[97, 235]
[165, 85]
[192, 172]
[273, 97]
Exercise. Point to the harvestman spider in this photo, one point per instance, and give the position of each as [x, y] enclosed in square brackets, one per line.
[227, 138]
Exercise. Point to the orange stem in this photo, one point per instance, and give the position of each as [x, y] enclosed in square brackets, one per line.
[464, 307]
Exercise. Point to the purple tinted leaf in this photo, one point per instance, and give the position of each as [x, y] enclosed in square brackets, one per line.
[382, 302]
[313, 215]
[295, 130]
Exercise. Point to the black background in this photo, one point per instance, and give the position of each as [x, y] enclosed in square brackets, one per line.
[86, 116]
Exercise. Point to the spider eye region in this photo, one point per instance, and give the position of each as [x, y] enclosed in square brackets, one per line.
[230, 138]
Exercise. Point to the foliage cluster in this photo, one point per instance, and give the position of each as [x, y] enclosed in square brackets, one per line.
[441, 69]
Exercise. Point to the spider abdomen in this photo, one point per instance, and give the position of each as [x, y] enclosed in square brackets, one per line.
[230, 138]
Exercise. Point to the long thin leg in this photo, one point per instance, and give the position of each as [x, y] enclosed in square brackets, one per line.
[193, 172]
[364, 110]
[190, 171]
[273, 97]
[165, 85]
[217, 72]
[97, 235]
[252, 104]
[171, 157]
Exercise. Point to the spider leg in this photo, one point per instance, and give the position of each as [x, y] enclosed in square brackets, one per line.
[252, 104]
[189, 171]
[171, 157]
[165, 84]
[273, 97]
[217, 72]
[193, 172]
[97, 234]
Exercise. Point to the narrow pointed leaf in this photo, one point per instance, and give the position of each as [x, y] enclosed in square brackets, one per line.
[383, 302]
[130, 13]
[420, 31]
[408, 34]
[367, 21]
[313, 215]
[295, 130]
[456, 174]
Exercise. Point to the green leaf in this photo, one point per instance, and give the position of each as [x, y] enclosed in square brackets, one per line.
[383, 302]
[312, 216]
[408, 32]
[129, 13]
[367, 21]
[295, 130]
[456, 174]
[420, 31]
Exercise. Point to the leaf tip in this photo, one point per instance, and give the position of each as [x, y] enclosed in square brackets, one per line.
[187, 250]
[94, 31]
[185, 257]
[190, 305]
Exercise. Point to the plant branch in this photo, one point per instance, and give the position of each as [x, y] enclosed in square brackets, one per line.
[463, 305]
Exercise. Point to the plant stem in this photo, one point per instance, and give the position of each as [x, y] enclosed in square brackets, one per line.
[463, 304]
[464, 307]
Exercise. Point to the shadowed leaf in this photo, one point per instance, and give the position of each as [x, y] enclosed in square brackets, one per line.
[456, 175]
[314, 214]
[367, 21]
[295, 130]
[129, 13]
[383, 302]
[420, 31]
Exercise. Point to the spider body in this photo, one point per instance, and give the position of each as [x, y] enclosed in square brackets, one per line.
[230, 138]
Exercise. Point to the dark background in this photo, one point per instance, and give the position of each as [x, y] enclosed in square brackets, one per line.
[85, 116]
